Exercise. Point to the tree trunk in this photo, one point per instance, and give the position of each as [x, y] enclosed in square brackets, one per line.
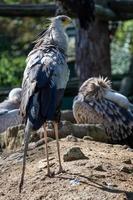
[93, 51]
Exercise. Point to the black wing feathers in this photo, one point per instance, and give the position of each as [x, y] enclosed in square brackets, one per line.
[42, 106]
[39, 90]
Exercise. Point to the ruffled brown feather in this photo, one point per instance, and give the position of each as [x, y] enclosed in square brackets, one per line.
[95, 87]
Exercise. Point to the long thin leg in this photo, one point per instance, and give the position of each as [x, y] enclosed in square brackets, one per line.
[26, 141]
[46, 149]
[58, 145]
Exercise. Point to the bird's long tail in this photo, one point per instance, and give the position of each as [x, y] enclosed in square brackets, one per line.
[26, 141]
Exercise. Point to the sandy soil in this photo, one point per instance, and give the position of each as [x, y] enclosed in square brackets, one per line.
[107, 174]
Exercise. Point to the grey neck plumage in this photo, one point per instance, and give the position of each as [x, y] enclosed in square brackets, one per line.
[55, 35]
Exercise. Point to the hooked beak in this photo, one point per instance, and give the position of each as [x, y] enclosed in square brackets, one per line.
[66, 20]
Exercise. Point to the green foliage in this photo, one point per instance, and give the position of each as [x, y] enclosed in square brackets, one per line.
[11, 70]
[122, 48]
[120, 59]
[16, 37]
[124, 35]
[16, 40]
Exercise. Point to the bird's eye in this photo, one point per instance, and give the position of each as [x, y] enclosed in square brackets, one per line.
[63, 19]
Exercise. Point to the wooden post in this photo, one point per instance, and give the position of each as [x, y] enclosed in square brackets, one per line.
[104, 10]
[23, 10]
[93, 51]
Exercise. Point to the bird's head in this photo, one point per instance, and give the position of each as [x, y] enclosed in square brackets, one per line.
[62, 19]
[15, 95]
[55, 34]
[95, 87]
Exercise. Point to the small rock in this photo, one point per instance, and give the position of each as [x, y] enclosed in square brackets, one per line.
[127, 161]
[99, 168]
[129, 149]
[31, 145]
[87, 138]
[109, 185]
[74, 182]
[74, 153]
[125, 146]
[71, 138]
[126, 169]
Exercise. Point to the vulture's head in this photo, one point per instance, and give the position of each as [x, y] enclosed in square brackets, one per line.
[15, 95]
[95, 87]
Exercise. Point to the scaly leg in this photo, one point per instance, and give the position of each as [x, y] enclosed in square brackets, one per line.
[49, 173]
[26, 141]
[58, 146]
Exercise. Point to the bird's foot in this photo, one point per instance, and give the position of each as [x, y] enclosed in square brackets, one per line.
[50, 174]
[61, 170]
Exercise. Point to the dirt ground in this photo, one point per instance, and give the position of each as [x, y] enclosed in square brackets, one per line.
[107, 174]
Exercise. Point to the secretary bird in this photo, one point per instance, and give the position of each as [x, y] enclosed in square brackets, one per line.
[44, 81]
[97, 103]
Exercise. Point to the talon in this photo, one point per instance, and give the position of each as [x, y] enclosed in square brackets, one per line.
[50, 174]
[61, 170]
